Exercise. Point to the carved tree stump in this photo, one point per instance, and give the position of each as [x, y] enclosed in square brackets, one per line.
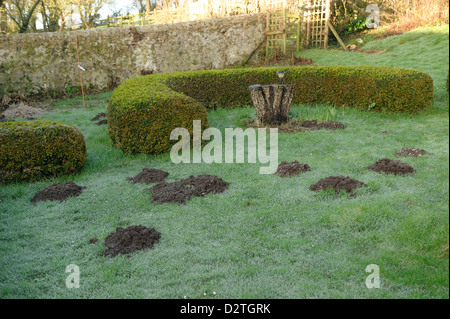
[272, 102]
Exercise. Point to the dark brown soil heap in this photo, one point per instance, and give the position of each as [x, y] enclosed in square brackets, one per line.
[98, 116]
[130, 239]
[286, 169]
[183, 190]
[58, 191]
[294, 125]
[149, 175]
[337, 183]
[329, 125]
[312, 124]
[389, 166]
[102, 122]
[411, 152]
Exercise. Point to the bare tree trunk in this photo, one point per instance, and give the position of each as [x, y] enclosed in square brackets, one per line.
[272, 102]
[26, 19]
[3, 23]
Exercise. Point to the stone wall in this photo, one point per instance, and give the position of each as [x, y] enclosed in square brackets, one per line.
[39, 63]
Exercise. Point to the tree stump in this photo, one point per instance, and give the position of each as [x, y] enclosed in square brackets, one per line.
[272, 102]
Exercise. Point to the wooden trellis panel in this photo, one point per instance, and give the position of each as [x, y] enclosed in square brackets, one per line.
[275, 31]
[291, 26]
[316, 14]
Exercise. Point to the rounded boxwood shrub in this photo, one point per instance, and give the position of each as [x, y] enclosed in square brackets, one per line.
[144, 110]
[142, 113]
[30, 150]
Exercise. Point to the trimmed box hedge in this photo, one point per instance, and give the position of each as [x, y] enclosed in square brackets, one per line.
[30, 150]
[388, 89]
[143, 110]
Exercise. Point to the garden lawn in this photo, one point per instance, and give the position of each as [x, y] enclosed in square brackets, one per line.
[266, 236]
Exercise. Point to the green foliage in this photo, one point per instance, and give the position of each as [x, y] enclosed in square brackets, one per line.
[30, 150]
[142, 112]
[391, 89]
[356, 25]
[72, 90]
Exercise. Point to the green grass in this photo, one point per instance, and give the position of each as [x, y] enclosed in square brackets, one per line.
[288, 243]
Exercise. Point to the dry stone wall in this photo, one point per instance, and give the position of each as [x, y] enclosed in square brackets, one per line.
[39, 63]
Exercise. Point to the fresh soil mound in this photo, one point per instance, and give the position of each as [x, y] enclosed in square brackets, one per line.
[337, 183]
[21, 111]
[131, 239]
[183, 190]
[294, 125]
[98, 116]
[329, 125]
[58, 191]
[389, 166]
[286, 169]
[149, 175]
[102, 122]
[312, 124]
[411, 152]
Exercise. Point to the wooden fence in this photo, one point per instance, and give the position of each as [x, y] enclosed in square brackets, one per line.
[291, 27]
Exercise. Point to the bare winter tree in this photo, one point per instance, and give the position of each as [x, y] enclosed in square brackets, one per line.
[115, 11]
[144, 5]
[88, 10]
[55, 14]
[21, 12]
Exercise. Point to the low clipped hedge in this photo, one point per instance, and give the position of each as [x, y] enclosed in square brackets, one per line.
[143, 110]
[30, 150]
[385, 89]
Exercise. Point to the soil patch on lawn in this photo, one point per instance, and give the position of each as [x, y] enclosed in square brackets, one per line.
[21, 111]
[389, 166]
[295, 125]
[411, 152]
[337, 183]
[286, 169]
[98, 116]
[329, 125]
[128, 240]
[149, 175]
[102, 122]
[181, 191]
[58, 192]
